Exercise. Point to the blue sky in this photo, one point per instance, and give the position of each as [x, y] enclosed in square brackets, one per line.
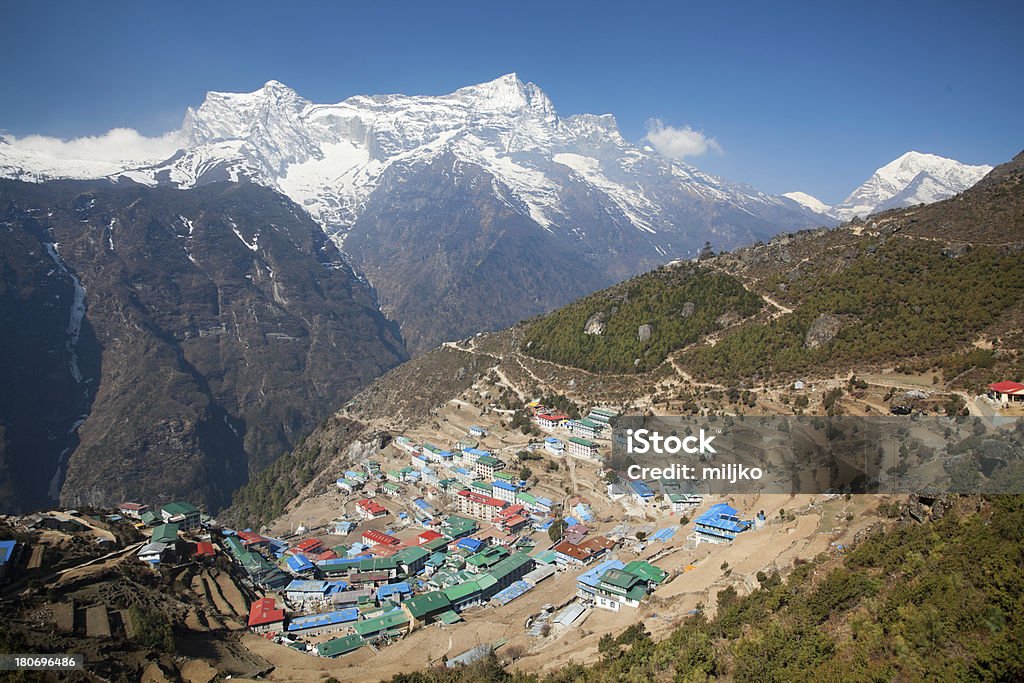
[809, 96]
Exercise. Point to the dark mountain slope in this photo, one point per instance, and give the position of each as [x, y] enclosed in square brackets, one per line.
[226, 327]
[449, 257]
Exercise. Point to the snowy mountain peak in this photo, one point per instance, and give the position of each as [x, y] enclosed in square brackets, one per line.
[810, 201]
[563, 174]
[507, 94]
[910, 179]
[913, 178]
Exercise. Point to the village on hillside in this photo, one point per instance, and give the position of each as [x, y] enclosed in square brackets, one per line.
[524, 532]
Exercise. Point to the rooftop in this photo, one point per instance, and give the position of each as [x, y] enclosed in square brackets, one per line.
[264, 611]
[340, 646]
[325, 619]
[427, 603]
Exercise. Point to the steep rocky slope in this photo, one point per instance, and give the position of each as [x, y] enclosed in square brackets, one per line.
[199, 334]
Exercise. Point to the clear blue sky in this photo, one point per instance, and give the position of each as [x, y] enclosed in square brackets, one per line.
[806, 95]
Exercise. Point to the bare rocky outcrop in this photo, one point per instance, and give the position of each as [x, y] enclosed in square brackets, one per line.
[823, 330]
[595, 324]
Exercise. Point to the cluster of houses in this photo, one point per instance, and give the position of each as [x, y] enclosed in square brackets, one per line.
[377, 586]
[380, 587]
[581, 431]
[168, 523]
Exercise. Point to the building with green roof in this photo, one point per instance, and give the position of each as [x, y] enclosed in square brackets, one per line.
[412, 559]
[379, 564]
[464, 595]
[486, 558]
[165, 533]
[617, 587]
[646, 571]
[425, 608]
[455, 527]
[391, 624]
[436, 545]
[335, 647]
[510, 569]
[582, 448]
[184, 514]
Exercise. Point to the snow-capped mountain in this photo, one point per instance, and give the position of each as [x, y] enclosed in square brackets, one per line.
[810, 201]
[912, 179]
[329, 158]
[465, 211]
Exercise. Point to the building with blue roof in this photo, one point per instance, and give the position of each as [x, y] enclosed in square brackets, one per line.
[7, 549]
[400, 590]
[641, 488]
[503, 490]
[327, 622]
[719, 524]
[299, 564]
[587, 582]
[471, 544]
[471, 455]
[544, 504]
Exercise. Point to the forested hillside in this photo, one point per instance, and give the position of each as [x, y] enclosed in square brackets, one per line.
[890, 299]
[633, 326]
[941, 600]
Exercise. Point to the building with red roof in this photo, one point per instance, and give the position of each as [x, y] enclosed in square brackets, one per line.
[204, 550]
[371, 509]
[133, 510]
[479, 505]
[381, 550]
[1005, 392]
[374, 537]
[427, 536]
[311, 546]
[264, 617]
[550, 420]
[249, 538]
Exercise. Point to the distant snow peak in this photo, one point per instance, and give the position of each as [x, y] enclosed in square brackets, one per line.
[913, 178]
[810, 201]
[910, 179]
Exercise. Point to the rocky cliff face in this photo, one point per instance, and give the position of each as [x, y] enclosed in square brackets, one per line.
[170, 342]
